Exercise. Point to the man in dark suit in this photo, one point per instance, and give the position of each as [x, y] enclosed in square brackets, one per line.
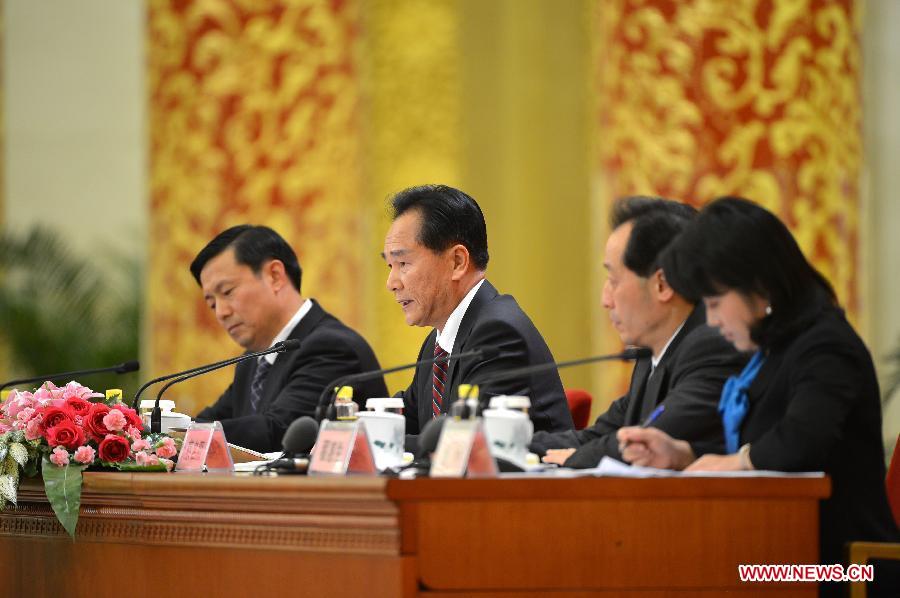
[436, 250]
[251, 278]
[690, 361]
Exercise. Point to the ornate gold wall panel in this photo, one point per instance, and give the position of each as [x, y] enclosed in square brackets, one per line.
[411, 83]
[253, 118]
[701, 98]
[526, 71]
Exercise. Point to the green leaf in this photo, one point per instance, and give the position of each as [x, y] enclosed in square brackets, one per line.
[132, 466]
[8, 487]
[11, 468]
[19, 453]
[63, 488]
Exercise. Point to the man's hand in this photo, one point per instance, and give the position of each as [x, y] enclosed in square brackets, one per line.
[558, 456]
[717, 463]
[651, 447]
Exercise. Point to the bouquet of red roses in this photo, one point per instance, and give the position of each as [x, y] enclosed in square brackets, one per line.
[67, 429]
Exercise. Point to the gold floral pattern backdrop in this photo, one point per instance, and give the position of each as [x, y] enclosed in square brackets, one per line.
[253, 118]
[307, 114]
[760, 98]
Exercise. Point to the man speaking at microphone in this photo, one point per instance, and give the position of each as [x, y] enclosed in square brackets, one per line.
[690, 361]
[437, 253]
[250, 278]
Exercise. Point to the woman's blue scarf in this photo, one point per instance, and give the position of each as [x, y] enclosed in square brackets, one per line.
[734, 403]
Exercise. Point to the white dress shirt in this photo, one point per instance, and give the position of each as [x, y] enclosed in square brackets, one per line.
[447, 336]
[286, 331]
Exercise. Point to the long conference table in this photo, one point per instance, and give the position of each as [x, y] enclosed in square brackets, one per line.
[231, 535]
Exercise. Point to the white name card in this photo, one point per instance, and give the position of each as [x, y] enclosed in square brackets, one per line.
[204, 445]
[342, 448]
[462, 450]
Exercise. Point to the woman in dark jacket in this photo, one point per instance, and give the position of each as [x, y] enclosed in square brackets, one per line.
[808, 400]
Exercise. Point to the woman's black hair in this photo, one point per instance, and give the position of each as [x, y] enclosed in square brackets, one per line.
[735, 244]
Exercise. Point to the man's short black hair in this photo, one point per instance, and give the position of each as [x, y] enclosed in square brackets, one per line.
[449, 217]
[655, 223]
[253, 247]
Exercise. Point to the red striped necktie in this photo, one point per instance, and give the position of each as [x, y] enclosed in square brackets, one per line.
[438, 379]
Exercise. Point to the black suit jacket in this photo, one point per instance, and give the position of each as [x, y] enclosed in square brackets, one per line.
[815, 406]
[328, 350]
[688, 380]
[492, 320]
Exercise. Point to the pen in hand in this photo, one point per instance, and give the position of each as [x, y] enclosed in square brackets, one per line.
[650, 419]
[653, 416]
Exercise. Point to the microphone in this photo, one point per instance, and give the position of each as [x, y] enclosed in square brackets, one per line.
[122, 368]
[325, 403]
[297, 443]
[428, 438]
[631, 354]
[156, 414]
[137, 397]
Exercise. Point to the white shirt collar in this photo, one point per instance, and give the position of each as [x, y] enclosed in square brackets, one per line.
[286, 331]
[447, 336]
[654, 361]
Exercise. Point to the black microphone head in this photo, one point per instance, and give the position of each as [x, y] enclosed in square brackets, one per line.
[637, 353]
[300, 436]
[128, 366]
[290, 344]
[431, 433]
[489, 352]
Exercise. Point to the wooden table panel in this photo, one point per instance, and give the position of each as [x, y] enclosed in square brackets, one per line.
[150, 535]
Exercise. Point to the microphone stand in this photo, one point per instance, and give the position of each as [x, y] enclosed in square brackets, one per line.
[156, 414]
[626, 355]
[122, 368]
[325, 402]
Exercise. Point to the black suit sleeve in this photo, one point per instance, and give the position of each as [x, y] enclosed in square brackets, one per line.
[549, 410]
[317, 364]
[703, 364]
[411, 398]
[606, 423]
[221, 409]
[823, 387]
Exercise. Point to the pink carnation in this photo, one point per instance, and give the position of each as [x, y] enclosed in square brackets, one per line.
[134, 432]
[4, 427]
[85, 454]
[33, 429]
[168, 463]
[143, 458]
[72, 390]
[166, 448]
[25, 414]
[59, 456]
[140, 445]
[18, 403]
[55, 391]
[115, 420]
[42, 396]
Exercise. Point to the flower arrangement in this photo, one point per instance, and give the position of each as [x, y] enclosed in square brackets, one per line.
[65, 430]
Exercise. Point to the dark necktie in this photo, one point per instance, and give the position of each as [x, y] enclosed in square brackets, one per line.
[258, 382]
[438, 379]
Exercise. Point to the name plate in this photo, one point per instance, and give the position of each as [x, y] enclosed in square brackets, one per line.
[204, 445]
[462, 450]
[341, 448]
